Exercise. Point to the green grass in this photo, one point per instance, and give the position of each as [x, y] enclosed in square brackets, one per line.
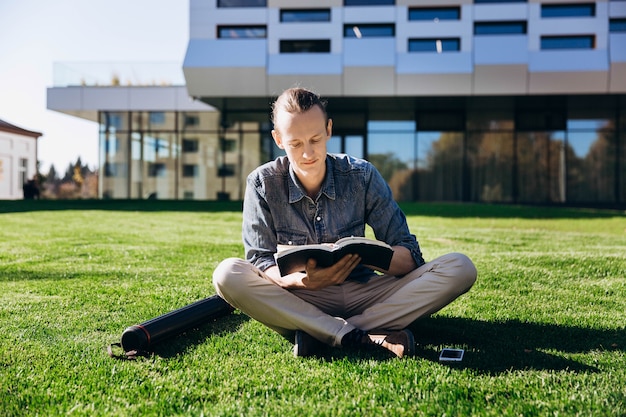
[544, 327]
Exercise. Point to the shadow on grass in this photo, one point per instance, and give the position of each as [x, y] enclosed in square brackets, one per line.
[182, 343]
[496, 347]
[491, 348]
[449, 210]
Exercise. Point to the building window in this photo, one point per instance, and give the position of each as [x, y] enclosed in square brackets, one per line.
[190, 145]
[23, 170]
[435, 45]
[568, 42]
[190, 170]
[435, 13]
[304, 46]
[226, 170]
[228, 145]
[156, 169]
[304, 15]
[369, 2]
[500, 28]
[191, 121]
[568, 10]
[368, 30]
[241, 32]
[241, 3]
[157, 118]
[617, 25]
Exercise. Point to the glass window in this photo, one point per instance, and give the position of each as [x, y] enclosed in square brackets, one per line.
[490, 165]
[368, 30]
[334, 144]
[439, 173]
[568, 10]
[617, 25]
[568, 42]
[112, 121]
[190, 120]
[241, 32]
[241, 3]
[156, 169]
[435, 13]
[305, 15]
[352, 145]
[190, 145]
[590, 166]
[304, 46]
[435, 45]
[441, 120]
[493, 120]
[190, 170]
[540, 120]
[369, 2]
[228, 145]
[539, 167]
[500, 28]
[158, 120]
[392, 149]
[226, 170]
[23, 171]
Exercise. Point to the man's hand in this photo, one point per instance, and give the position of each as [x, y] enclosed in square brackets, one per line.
[318, 278]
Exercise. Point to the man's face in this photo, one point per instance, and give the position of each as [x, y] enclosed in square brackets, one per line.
[303, 136]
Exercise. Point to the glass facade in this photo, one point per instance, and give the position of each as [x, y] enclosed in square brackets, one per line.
[541, 150]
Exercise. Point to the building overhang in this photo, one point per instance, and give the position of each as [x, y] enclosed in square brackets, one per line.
[85, 102]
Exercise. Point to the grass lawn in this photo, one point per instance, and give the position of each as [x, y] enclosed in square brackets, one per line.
[544, 327]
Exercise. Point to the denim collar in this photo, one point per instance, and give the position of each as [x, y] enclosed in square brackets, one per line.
[296, 191]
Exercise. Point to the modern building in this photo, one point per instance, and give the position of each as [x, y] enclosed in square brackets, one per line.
[518, 101]
[18, 160]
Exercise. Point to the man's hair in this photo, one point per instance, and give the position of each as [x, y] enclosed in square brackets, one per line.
[298, 100]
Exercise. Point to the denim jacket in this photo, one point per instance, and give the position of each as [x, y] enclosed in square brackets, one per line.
[277, 210]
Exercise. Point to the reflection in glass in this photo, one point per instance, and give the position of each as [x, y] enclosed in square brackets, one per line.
[392, 149]
[490, 165]
[159, 166]
[539, 167]
[439, 166]
[591, 160]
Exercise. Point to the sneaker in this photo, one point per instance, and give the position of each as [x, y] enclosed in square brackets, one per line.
[400, 343]
[305, 345]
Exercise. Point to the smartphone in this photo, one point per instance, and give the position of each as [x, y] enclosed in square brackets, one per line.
[448, 354]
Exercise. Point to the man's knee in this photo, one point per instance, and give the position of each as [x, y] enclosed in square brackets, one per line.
[229, 272]
[463, 270]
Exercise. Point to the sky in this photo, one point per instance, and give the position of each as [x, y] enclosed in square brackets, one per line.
[35, 34]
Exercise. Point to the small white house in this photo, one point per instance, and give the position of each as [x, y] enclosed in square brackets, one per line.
[18, 159]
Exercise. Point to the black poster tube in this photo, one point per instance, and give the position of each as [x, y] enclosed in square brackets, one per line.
[142, 336]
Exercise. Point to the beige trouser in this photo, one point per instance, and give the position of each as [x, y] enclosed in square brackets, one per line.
[385, 302]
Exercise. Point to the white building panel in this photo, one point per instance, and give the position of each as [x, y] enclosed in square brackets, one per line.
[617, 9]
[106, 98]
[370, 14]
[497, 50]
[434, 63]
[500, 12]
[226, 53]
[617, 44]
[310, 64]
[66, 98]
[568, 60]
[373, 52]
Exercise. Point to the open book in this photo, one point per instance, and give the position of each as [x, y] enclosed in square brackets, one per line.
[372, 252]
